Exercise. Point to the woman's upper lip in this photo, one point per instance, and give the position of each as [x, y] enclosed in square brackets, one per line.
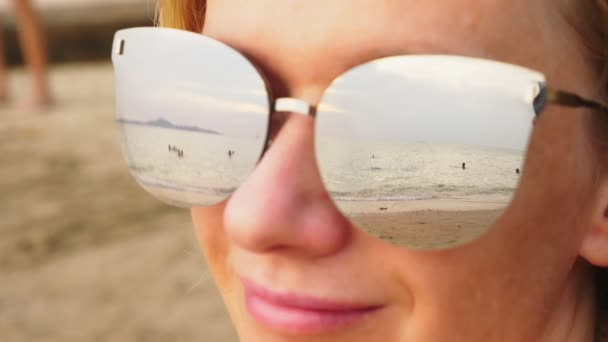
[303, 302]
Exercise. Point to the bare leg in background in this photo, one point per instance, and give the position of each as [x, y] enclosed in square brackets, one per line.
[3, 76]
[33, 46]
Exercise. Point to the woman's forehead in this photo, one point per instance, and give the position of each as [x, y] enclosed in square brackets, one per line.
[319, 39]
[394, 23]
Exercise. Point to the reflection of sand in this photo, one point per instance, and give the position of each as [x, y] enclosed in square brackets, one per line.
[169, 195]
[455, 204]
[427, 229]
[437, 223]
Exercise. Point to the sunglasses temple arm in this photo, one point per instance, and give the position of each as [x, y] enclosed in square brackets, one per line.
[567, 99]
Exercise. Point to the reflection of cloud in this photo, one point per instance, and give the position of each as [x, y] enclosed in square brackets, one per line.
[206, 88]
[327, 108]
[190, 86]
[210, 102]
[263, 93]
[335, 91]
[459, 71]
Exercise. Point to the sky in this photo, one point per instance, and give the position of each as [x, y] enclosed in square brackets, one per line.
[409, 99]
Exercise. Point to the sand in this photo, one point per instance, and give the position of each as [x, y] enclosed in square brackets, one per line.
[87, 255]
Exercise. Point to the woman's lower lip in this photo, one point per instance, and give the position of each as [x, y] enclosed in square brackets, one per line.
[300, 320]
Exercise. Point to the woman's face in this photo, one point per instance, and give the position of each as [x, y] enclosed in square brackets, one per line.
[281, 231]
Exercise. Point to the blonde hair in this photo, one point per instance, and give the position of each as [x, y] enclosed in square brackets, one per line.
[189, 15]
[186, 15]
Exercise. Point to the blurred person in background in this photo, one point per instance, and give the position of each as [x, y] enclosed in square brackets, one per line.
[34, 53]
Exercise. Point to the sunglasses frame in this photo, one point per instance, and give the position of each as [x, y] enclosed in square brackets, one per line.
[567, 99]
[541, 97]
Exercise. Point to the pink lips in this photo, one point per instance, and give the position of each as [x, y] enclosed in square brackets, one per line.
[300, 314]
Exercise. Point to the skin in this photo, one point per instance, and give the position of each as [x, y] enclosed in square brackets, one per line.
[34, 53]
[527, 279]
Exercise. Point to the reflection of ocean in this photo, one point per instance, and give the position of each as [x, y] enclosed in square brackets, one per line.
[356, 171]
[352, 171]
[205, 167]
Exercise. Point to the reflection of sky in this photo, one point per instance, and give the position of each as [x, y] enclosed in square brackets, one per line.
[200, 84]
[431, 100]
[219, 109]
[457, 71]
[193, 81]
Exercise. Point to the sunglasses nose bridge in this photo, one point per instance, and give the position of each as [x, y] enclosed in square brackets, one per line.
[281, 109]
[293, 105]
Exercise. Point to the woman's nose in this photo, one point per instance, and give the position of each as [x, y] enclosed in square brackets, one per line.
[283, 204]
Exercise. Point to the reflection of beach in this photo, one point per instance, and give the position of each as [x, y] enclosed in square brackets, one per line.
[425, 223]
[448, 204]
[427, 229]
[207, 164]
[185, 199]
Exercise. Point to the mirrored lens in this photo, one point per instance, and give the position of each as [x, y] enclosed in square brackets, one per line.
[192, 114]
[425, 151]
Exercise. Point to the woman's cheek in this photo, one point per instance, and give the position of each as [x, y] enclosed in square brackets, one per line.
[212, 239]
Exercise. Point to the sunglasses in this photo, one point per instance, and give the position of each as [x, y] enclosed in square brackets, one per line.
[421, 151]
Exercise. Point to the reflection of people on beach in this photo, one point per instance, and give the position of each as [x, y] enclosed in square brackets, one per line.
[464, 166]
[180, 153]
[34, 53]
[231, 153]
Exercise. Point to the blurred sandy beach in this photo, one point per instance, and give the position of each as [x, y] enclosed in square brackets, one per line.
[85, 254]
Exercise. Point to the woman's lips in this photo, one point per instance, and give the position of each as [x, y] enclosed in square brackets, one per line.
[300, 314]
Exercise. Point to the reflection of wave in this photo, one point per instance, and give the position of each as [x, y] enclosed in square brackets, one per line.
[380, 198]
[147, 182]
[494, 191]
[141, 168]
[392, 193]
[470, 190]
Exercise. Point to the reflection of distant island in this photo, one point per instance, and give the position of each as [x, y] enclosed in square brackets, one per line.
[162, 123]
